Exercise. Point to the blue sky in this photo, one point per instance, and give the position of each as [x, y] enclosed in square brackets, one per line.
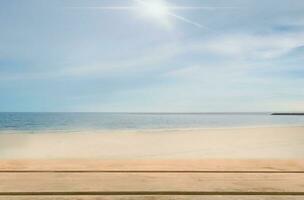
[238, 55]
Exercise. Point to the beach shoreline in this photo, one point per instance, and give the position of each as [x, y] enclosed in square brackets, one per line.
[207, 143]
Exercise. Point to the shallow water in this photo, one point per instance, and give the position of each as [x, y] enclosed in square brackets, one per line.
[73, 122]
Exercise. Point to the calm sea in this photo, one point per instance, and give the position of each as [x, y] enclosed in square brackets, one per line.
[74, 122]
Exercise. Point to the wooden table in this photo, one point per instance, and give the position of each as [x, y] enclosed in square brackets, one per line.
[152, 180]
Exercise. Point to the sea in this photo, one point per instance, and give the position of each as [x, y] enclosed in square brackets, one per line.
[77, 122]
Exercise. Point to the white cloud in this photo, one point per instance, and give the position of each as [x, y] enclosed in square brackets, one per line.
[142, 60]
[254, 46]
[244, 49]
[240, 47]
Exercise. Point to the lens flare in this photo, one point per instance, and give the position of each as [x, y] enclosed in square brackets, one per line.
[160, 11]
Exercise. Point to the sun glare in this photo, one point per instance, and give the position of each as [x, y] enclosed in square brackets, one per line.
[159, 11]
[154, 8]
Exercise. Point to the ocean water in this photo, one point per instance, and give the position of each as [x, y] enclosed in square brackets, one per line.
[74, 122]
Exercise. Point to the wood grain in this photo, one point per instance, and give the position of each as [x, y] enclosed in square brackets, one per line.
[154, 197]
[151, 183]
[152, 180]
[148, 165]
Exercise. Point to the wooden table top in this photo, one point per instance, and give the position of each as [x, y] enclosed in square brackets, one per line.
[146, 179]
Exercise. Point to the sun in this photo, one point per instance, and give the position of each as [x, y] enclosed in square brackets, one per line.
[160, 11]
[155, 9]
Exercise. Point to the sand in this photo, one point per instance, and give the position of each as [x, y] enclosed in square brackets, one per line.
[228, 143]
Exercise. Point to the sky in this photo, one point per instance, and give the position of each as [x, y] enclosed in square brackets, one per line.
[151, 55]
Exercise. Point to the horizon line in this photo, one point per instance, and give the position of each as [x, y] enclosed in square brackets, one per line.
[123, 112]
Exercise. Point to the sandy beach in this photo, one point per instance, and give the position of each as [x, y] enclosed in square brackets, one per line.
[228, 143]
